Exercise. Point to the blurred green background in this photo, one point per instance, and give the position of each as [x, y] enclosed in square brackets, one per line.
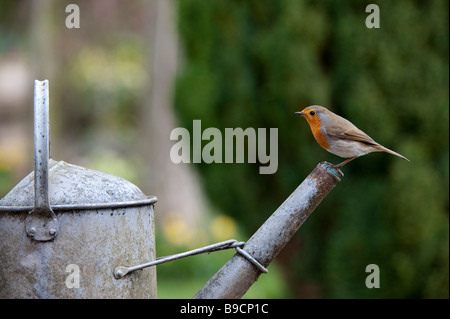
[133, 71]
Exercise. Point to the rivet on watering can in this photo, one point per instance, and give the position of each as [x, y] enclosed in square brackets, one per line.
[52, 232]
[32, 231]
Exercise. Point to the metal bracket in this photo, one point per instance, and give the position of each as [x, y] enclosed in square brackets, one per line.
[41, 223]
[122, 271]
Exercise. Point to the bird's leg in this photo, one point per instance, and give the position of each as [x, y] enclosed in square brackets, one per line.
[344, 162]
[336, 169]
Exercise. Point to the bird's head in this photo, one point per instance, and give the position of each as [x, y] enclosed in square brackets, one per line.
[314, 114]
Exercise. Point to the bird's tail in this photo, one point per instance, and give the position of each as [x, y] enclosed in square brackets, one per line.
[385, 149]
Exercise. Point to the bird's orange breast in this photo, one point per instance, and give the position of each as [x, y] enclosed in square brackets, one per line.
[319, 135]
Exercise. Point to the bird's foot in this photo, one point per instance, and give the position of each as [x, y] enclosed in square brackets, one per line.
[333, 169]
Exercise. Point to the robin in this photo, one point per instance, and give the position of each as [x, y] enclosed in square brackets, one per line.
[339, 136]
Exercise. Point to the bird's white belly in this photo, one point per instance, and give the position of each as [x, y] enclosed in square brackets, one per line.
[347, 148]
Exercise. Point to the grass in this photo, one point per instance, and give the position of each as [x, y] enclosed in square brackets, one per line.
[270, 285]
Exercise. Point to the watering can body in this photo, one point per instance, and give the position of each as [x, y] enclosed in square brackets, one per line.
[104, 221]
[65, 228]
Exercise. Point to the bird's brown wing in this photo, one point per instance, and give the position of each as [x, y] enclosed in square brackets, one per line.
[344, 129]
[360, 136]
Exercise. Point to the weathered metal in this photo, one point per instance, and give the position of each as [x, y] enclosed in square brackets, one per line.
[41, 223]
[238, 274]
[122, 271]
[66, 230]
[104, 221]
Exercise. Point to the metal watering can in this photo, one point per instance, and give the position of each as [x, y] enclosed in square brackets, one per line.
[64, 228]
[76, 246]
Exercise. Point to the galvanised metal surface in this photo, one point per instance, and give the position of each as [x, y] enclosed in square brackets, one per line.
[79, 262]
[238, 274]
[65, 228]
[41, 223]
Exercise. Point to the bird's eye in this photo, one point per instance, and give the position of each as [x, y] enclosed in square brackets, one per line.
[312, 113]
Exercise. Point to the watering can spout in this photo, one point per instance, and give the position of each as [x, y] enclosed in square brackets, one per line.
[237, 275]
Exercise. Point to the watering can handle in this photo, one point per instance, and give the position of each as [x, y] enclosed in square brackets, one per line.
[41, 144]
[41, 223]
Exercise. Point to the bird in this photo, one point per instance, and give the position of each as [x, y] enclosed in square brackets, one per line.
[339, 136]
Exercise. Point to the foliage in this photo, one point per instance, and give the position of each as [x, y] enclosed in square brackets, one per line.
[253, 63]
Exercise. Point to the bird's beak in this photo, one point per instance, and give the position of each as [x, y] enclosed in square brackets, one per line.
[301, 113]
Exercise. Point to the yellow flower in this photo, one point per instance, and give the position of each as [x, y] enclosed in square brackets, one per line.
[223, 227]
[177, 232]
